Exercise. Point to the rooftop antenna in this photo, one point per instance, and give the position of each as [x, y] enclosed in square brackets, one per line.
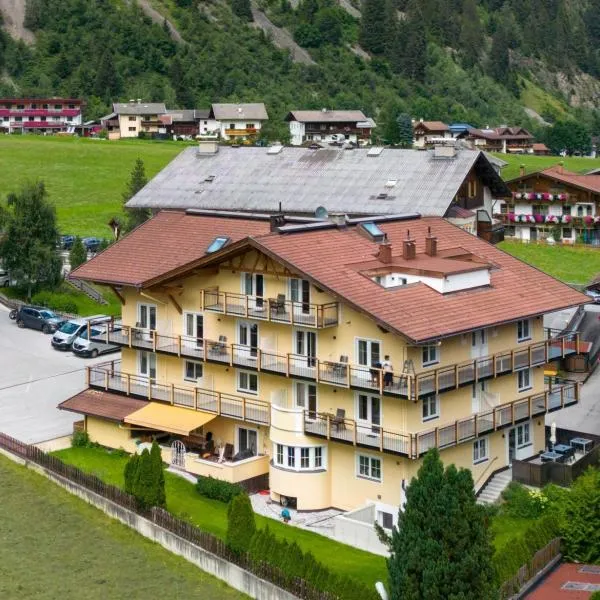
[280, 206]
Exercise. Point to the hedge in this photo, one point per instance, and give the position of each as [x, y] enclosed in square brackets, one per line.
[217, 489]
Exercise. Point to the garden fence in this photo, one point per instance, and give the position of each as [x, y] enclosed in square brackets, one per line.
[160, 517]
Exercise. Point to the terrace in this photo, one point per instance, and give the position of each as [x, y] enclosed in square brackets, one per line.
[343, 373]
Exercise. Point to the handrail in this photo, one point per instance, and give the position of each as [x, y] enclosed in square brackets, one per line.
[346, 374]
[491, 462]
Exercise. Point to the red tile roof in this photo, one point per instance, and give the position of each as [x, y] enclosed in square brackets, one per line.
[173, 243]
[587, 182]
[113, 407]
[432, 125]
[551, 587]
[166, 242]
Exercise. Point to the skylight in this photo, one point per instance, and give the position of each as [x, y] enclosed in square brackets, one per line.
[217, 244]
[373, 231]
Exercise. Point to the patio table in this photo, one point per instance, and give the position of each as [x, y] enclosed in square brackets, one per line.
[581, 443]
[551, 456]
[563, 449]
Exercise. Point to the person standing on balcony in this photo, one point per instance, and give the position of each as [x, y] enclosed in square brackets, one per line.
[388, 371]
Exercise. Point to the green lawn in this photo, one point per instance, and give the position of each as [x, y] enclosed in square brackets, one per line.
[211, 515]
[571, 264]
[85, 178]
[532, 163]
[506, 528]
[55, 545]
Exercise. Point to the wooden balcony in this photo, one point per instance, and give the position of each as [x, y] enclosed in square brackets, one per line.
[305, 314]
[342, 373]
[109, 377]
[414, 445]
[241, 132]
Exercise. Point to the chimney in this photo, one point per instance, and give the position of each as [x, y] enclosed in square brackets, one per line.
[338, 219]
[276, 221]
[430, 243]
[561, 167]
[207, 147]
[522, 170]
[408, 247]
[385, 252]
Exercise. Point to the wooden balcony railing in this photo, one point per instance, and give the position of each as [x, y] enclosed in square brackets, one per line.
[342, 373]
[414, 445]
[109, 377]
[305, 314]
[247, 131]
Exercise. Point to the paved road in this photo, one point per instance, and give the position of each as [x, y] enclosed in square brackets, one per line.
[585, 415]
[34, 378]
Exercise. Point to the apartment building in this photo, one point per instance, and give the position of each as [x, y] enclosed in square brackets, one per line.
[552, 203]
[329, 126]
[322, 360]
[129, 119]
[41, 115]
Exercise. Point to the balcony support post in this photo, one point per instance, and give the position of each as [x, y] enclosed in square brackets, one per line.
[87, 376]
[243, 409]
[562, 346]
[154, 340]
[475, 371]
[218, 403]
[179, 345]
[456, 376]
[328, 427]
[172, 394]
[258, 359]
[106, 380]
[577, 343]
[128, 384]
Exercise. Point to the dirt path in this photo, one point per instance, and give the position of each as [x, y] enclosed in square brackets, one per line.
[13, 12]
[281, 37]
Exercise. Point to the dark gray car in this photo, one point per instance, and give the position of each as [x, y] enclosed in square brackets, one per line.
[37, 317]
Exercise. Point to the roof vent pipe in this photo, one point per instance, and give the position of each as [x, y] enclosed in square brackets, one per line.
[430, 243]
[408, 247]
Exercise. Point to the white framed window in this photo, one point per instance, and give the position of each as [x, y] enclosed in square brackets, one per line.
[430, 408]
[368, 352]
[524, 380]
[305, 396]
[385, 519]
[253, 284]
[299, 458]
[193, 326]
[430, 355]
[523, 330]
[305, 458]
[369, 467]
[248, 337]
[291, 457]
[368, 411]
[318, 457]
[523, 435]
[480, 450]
[192, 370]
[247, 381]
[146, 316]
[247, 439]
[147, 364]
[279, 454]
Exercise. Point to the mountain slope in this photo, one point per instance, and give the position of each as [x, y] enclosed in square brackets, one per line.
[457, 60]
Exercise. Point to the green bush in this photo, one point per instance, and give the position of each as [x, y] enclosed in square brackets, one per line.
[595, 596]
[241, 525]
[144, 478]
[80, 439]
[217, 489]
[520, 502]
[59, 302]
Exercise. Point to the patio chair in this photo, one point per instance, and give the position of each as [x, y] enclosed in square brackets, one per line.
[278, 304]
[228, 454]
[220, 347]
[339, 421]
[340, 368]
[137, 333]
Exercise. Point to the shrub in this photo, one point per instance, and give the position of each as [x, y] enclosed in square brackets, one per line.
[520, 502]
[144, 478]
[130, 472]
[80, 439]
[158, 476]
[595, 596]
[217, 489]
[77, 254]
[59, 302]
[241, 526]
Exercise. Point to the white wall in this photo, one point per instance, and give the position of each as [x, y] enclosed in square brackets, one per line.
[296, 133]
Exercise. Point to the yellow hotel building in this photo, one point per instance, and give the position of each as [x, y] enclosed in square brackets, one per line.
[321, 360]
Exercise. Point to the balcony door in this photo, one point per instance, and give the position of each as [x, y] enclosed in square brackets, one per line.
[300, 296]
[306, 397]
[248, 339]
[147, 365]
[253, 284]
[368, 355]
[477, 392]
[247, 440]
[479, 343]
[146, 319]
[194, 328]
[305, 345]
[368, 413]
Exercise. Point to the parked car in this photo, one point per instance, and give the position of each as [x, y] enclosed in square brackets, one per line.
[594, 294]
[4, 279]
[91, 348]
[70, 330]
[91, 244]
[67, 241]
[37, 317]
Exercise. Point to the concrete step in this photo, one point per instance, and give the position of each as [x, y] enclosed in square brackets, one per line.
[494, 488]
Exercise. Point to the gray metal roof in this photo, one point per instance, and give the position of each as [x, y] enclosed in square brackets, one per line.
[139, 108]
[326, 116]
[183, 115]
[302, 179]
[239, 111]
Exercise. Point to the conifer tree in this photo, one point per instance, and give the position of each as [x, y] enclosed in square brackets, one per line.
[77, 254]
[143, 488]
[137, 180]
[376, 26]
[241, 526]
[130, 473]
[158, 476]
[405, 130]
[241, 8]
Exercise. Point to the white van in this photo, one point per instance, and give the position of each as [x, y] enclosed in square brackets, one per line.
[65, 336]
[92, 348]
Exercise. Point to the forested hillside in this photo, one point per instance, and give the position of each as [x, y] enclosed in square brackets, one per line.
[481, 62]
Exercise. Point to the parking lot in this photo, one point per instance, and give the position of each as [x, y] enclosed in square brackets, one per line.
[34, 378]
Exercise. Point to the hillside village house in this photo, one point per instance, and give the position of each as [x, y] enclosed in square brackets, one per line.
[306, 181]
[131, 118]
[428, 133]
[514, 140]
[40, 115]
[322, 360]
[185, 122]
[553, 202]
[329, 126]
[239, 121]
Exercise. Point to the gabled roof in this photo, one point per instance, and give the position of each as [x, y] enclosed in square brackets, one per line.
[486, 134]
[431, 125]
[335, 259]
[539, 147]
[589, 183]
[139, 108]
[167, 241]
[358, 181]
[326, 116]
[223, 112]
[514, 133]
[183, 115]
[202, 113]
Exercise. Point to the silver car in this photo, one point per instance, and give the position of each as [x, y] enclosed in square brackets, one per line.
[65, 336]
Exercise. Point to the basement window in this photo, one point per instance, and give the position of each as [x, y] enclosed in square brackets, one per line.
[216, 245]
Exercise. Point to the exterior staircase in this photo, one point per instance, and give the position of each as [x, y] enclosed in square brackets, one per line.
[490, 493]
[87, 289]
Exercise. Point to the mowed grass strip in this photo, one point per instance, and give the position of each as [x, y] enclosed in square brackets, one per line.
[54, 545]
[85, 178]
[577, 164]
[571, 264]
[211, 515]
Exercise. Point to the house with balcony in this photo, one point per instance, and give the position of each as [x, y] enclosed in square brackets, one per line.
[322, 360]
[515, 140]
[427, 134]
[40, 115]
[553, 203]
[239, 122]
[318, 181]
[129, 119]
[329, 126]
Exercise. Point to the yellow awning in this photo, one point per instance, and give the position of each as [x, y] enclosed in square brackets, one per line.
[173, 419]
